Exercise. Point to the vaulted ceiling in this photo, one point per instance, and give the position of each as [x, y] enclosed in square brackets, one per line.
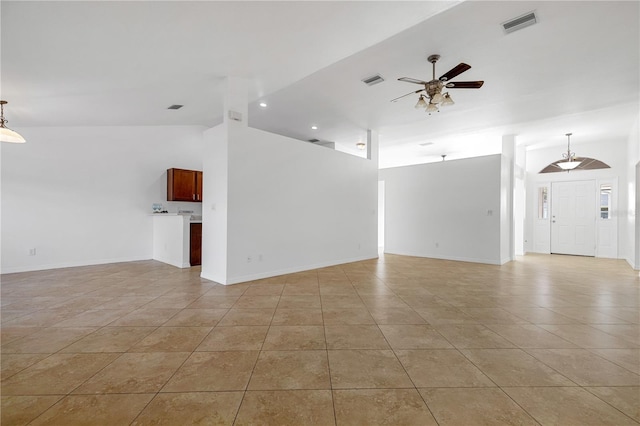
[123, 63]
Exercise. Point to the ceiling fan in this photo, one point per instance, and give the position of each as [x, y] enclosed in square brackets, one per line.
[433, 89]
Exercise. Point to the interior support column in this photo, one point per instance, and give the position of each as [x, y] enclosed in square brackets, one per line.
[507, 189]
[217, 162]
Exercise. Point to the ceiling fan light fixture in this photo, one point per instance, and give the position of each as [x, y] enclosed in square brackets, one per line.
[431, 91]
[6, 134]
[437, 98]
[432, 108]
[447, 100]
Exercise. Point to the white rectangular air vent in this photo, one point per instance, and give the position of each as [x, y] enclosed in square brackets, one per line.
[520, 22]
[374, 79]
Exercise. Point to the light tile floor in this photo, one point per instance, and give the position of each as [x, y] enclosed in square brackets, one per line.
[550, 340]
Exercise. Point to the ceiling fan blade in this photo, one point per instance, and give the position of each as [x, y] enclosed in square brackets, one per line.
[457, 70]
[413, 80]
[465, 84]
[410, 93]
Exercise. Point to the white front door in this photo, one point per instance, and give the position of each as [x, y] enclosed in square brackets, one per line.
[573, 218]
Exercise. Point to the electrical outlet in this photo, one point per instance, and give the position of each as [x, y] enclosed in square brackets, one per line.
[248, 259]
[437, 245]
[260, 257]
[32, 252]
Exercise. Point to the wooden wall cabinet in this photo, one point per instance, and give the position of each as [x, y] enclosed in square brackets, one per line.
[195, 245]
[184, 185]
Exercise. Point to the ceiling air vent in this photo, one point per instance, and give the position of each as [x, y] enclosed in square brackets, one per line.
[175, 106]
[375, 79]
[519, 22]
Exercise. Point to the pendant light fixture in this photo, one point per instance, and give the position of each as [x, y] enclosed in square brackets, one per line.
[6, 134]
[570, 162]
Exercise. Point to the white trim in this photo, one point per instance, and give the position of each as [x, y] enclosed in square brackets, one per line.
[613, 221]
[261, 275]
[16, 269]
[502, 261]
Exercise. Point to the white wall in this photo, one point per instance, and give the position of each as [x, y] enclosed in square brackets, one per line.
[381, 203]
[507, 192]
[612, 152]
[295, 206]
[520, 200]
[446, 210]
[214, 201]
[83, 195]
[172, 239]
[632, 220]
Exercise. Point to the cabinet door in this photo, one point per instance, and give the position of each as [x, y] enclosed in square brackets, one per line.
[199, 186]
[195, 252]
[181, 185]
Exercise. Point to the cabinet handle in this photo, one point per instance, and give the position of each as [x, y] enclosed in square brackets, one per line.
[194, 196]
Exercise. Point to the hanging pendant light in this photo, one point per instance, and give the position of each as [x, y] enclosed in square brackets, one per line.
[570, 162]
[6, 134]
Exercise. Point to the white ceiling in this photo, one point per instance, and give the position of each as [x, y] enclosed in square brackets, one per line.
[123, 63]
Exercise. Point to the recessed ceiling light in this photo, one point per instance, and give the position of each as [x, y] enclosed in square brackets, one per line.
[314, 127]
[263, 104]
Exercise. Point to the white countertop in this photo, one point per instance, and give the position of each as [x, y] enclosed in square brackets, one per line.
[187, 216]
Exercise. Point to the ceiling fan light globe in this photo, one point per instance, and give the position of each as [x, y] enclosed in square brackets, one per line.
[437, 98]
[447, 100]
[432, 108]
[421, 103]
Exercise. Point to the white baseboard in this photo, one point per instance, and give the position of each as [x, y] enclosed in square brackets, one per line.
[291, 270]
[632, 264]
[455, 258]
[73, 264]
